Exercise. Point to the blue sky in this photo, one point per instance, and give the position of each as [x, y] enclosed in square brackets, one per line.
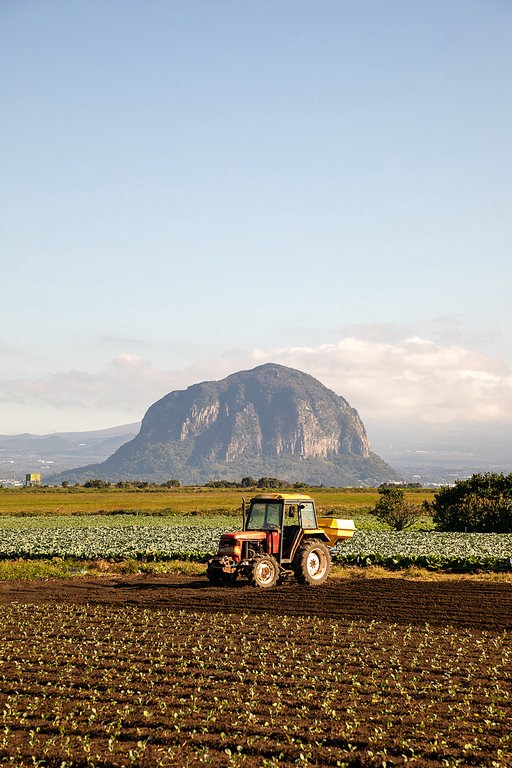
[191, 188]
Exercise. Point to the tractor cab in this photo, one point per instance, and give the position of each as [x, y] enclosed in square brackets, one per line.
[288, 518]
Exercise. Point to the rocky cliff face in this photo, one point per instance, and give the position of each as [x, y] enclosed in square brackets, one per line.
[269, 411]
[270, 421]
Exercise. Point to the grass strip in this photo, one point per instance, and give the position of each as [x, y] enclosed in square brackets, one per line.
[18, 570]
[22, 569]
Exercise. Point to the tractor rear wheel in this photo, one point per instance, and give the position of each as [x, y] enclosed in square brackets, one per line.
[264, 572]
[312, 563]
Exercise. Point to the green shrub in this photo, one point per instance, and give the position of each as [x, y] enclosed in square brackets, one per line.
[481, 504]
[394, 510]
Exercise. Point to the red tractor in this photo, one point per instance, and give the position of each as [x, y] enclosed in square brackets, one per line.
[281, 536]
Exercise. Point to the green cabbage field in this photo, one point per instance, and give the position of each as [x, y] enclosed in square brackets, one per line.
[430, 549]
[78, 538]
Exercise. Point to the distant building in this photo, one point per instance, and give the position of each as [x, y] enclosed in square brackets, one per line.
[33, 479]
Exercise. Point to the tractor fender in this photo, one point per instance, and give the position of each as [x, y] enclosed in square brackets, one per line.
[308, 533]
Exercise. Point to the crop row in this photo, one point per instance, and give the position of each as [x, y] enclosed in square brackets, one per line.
[190, 541]
[408, 543]
[121, 519]
[432, 550]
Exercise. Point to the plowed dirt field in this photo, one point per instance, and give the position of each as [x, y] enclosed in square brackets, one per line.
[146, 671]
[465, 603]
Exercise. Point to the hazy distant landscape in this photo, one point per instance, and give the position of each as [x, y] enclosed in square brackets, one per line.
[47, 454]
[433, 455]
[426, 458]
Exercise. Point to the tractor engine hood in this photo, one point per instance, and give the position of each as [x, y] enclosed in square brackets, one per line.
[246, 536]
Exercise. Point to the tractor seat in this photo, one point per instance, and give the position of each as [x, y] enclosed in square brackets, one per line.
[289, 535]
[290, 532]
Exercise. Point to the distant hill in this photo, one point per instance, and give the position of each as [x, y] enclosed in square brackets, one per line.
[270, 421]
[20, 454]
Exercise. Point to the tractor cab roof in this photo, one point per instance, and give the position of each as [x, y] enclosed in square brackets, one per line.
[288, 498]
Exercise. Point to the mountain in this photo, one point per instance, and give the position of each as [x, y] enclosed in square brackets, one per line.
[270, 421]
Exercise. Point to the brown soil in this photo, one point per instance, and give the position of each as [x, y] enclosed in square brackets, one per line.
[482, 605]
[147, 671]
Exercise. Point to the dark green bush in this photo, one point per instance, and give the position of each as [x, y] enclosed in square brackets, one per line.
[481, 504]
[96, 484]
[222, 484]
[272, 482]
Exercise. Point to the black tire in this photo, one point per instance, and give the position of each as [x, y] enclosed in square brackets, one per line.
[264, 572]
[217, 577]
[312, 563]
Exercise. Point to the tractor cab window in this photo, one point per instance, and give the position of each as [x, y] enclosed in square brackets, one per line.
[263, 515]
[308, 514]
[291, 516]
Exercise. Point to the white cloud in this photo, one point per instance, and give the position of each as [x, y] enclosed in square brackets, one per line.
[412, 380]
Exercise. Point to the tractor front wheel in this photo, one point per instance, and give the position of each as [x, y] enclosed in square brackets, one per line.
[312, 563]
[264, 572]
